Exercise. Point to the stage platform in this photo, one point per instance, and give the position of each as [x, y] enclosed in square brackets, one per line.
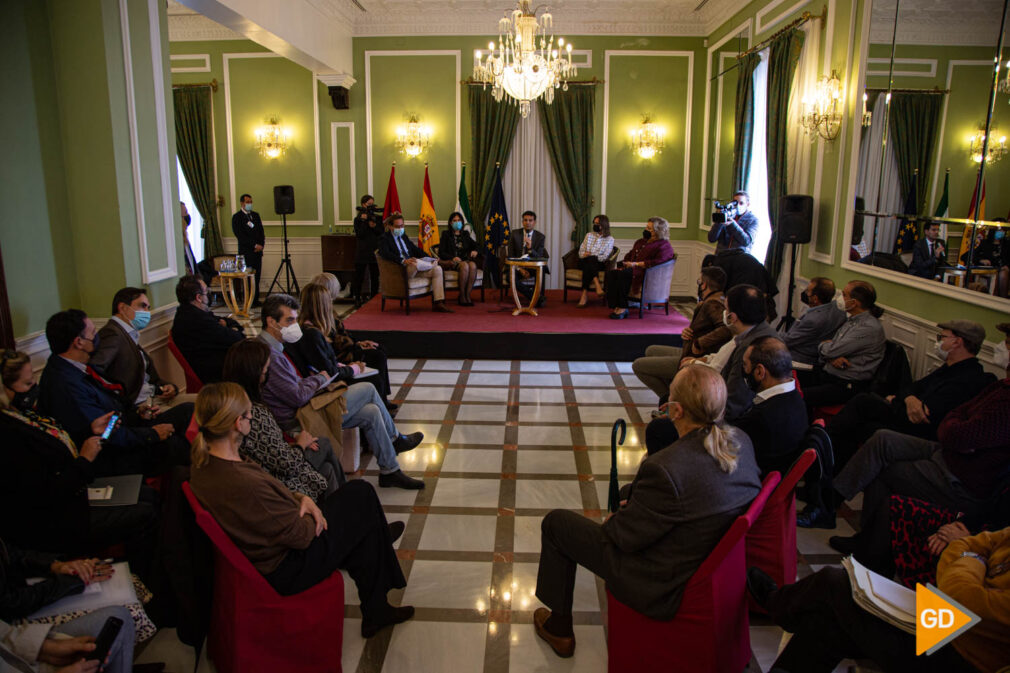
[560, 332]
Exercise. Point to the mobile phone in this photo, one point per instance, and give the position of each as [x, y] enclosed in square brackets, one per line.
[105, 639]
[110, 427]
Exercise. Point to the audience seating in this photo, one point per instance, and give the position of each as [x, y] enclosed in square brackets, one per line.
[711, 631]
[771, 541]
[193, 382]
[893, 374]
[656, 287]
[253, 628]
[573, 274]
[394, 284]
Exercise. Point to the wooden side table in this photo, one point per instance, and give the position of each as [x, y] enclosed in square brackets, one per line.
[228, 280]
[539, 265]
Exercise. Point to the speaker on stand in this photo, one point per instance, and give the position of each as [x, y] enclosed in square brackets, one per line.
[284, 205]
[796, 217]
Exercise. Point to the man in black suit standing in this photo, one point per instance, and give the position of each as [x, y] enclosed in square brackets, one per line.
[928, 253]
[248, 229]
[777, 420]
[528, 241]
[395, 246]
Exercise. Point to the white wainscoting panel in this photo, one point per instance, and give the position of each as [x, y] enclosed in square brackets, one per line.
[306, 257]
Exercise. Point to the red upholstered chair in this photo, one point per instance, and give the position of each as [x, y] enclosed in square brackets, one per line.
[711, 631]
[193, 382]
[253, 628]
[771, 541]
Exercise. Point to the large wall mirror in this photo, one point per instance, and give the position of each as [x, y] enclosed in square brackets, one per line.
[930, 94]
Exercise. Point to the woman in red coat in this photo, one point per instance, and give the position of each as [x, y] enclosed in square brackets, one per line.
[626, 280]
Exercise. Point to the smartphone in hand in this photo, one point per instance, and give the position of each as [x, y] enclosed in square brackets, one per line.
[105, 639]
[110, 426]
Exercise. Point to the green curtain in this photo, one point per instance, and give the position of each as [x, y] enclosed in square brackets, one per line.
[783, 57]
[744, 129]
[492, 130]
[195, 149]
[568, 130]
[915, 125]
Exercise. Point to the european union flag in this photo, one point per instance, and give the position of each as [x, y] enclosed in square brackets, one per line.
[908, 230]
[497, 230]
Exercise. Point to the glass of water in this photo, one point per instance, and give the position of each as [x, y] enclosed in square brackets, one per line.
[240, 263]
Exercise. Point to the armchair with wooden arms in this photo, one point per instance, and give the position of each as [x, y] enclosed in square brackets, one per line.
[573, 274]
[394, 284]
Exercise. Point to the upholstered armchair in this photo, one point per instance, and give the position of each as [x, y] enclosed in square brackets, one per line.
[656, 287]
[573, 274]
[394, 284]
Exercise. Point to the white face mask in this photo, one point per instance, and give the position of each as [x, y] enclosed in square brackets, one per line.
[940, 352]
[725, 318]
[1001, 357]
[291, 333]
[840, 301]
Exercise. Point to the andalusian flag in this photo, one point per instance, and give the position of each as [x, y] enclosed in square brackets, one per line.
[463, 201]
[392, 198]
[427, 224]
[969, 232]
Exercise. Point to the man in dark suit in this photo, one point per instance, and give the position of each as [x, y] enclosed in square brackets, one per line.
[528, 241]
[248, 229]
[818, 323]
[928, 253]
[777, 420]
[202, 337]
[396, 247]
[742, 269]
[75, 395]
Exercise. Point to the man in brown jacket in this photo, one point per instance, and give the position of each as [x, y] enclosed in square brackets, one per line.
[706, 334]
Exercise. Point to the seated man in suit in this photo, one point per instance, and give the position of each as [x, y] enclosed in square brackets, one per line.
[75, 395]
[395, 246]
[528, 241]
[818, 323]
[202, 337]
[743, 269]
[777, 420]
[928, 253]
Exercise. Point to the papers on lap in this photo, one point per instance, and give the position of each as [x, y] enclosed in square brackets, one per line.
[117, 590]
[425, 264]
[880, 596]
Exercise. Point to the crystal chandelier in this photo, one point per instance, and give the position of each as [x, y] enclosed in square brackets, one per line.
[648, 139]
[867, 114]
[997, 145]
[821, 116]
[1004, 82]
[271, 139]
[525, 64]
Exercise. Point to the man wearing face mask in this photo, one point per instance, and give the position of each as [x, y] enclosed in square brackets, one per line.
[736, 233]
[818, 323]
[396, 247]
[528, 241]
[248, 229]
[202, 337]
[285, 391]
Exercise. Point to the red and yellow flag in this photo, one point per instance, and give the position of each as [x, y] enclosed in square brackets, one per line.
[392, 198]
[969, 231]
[427, 225]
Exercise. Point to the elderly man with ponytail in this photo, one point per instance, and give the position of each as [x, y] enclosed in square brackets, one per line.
[293, 542]
[682, 501]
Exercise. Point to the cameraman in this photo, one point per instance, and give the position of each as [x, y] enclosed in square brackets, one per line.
[367, 228]
[736, 231]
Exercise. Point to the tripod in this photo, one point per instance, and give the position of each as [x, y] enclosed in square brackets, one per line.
[285, 266]
[788, 318]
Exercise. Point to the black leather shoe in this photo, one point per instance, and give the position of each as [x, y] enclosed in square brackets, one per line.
[395, 616]
[440, 307]
[391, 407]
[396, 530]
[619, 316]
[563, 646]
[816, 517]
[405, 443]
[760, 586]
[399, 480]
[844, 545]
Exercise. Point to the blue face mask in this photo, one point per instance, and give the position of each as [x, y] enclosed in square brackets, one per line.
[398, 232]
[457, 225]
[140, 319]
[999, 235]
[248, 207]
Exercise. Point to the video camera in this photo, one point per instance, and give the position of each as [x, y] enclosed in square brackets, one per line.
[370, 210]
[725, 212]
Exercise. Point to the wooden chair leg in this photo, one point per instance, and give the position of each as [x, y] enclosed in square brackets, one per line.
[382, 303]
[408, 304]
[564, 297]
[641, 305]
[666, 307]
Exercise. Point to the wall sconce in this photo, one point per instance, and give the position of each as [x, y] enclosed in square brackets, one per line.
[997, 145]
[867, 114]
[271, 139]
[820, 116]
[413, 138]
[648, 139]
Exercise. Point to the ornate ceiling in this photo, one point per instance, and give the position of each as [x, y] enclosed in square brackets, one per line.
[948, 22]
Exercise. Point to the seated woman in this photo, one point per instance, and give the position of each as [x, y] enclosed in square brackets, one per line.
[458, 251]
[626, 279]
[291, 541]
[593, 254]
[348, 349]
[308, 466]
[44, 478]
[682, 501]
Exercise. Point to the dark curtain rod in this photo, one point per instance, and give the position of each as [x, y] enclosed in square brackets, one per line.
[934, 90]
[806, 16]
[212, 84]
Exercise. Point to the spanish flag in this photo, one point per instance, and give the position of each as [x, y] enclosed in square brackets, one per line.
[427, 224]
[969, 231]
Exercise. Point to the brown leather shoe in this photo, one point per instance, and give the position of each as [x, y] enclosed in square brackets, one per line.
[563, 646]
[440, 307]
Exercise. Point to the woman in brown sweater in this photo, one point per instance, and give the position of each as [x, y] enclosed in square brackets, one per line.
[291, 541]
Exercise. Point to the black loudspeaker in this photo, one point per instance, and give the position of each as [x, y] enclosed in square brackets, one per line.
[340, 98]
[284, 199]
[796, 217]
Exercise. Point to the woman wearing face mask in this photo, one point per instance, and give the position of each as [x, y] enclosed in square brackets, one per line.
[626, 280]
[248, 364]
[294, 543]
[593, 254]
[458, 252]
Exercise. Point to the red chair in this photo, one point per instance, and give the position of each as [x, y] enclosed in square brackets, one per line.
[253, 628]
[193, 382]
[711, 631]
[771, 541]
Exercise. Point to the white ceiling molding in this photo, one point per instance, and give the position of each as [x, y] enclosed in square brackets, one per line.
[336, 79]
[937, 22]
[197, 28]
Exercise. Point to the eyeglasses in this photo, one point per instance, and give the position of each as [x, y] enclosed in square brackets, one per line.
[247, 415]
[941, 337]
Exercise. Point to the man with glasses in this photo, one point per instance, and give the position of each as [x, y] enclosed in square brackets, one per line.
[202, 337]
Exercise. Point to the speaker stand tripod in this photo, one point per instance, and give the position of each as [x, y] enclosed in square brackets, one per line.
[788, 319]
[285, 266]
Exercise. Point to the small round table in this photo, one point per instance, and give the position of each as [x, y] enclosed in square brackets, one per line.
[228, 279]
[539, 265]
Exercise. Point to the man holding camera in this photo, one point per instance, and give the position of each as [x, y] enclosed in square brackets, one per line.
[367, 228]
[735, 226]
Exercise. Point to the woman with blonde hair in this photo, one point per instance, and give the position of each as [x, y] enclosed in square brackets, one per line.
[348, 350]
[293, 542]
[682, 501]
[626, 280]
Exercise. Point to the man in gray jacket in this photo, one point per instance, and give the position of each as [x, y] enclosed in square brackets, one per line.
[818, 323]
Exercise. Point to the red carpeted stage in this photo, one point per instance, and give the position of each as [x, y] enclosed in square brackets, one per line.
[560, 332]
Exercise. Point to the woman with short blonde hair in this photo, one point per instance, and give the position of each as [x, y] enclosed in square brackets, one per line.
[626, 280]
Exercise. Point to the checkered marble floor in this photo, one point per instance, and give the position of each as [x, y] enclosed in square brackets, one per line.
[504, 443]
